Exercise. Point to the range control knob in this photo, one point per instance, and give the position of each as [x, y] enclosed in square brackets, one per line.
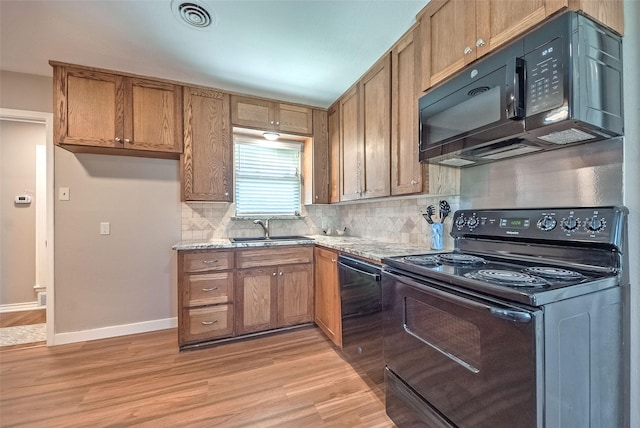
[547, 223]
[461, 221]
[595, 224]
[472, 222]
[570, 224]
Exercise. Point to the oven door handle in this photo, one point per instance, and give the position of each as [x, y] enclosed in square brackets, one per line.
[361, 272]
[496, 311]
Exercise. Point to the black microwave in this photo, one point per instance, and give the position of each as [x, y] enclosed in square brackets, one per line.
[558, 85]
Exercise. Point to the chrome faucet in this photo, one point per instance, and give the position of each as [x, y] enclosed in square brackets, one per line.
[265, 226]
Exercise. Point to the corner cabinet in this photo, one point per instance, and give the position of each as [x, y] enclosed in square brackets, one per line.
[97, 111]
[207, 162]
[271, 116]
[327, 295]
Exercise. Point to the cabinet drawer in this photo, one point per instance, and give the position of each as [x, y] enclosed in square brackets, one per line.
[274, 256]
[208, 260]
[208, 289]
[209, 322]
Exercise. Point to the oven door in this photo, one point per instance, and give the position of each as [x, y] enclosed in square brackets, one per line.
[475, 360]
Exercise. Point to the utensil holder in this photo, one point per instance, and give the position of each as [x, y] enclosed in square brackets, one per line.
[437, 236]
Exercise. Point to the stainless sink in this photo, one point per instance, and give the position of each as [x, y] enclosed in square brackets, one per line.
[271, 238]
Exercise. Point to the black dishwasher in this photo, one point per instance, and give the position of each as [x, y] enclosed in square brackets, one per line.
[361, 305]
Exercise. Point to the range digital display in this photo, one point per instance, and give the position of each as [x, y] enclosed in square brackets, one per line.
[515, 223]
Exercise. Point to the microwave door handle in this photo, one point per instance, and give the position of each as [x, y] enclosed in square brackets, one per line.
[515, 89]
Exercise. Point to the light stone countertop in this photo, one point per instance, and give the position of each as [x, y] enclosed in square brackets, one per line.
[364, 247]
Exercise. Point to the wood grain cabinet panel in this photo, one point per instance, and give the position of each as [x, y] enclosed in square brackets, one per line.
[271, 116]
[406, 170]
[295, 294]
[209, 289]
[260, 257]
[97, 111]
[333, 119]
[327, 314]
[350, 142]
[208, 323]
[256, 300]
[204, 261]
[207, 163]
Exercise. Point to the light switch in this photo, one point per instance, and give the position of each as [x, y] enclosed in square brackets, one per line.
[105, 228]
[63, 193]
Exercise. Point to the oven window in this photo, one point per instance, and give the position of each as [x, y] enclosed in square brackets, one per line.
[456, 338]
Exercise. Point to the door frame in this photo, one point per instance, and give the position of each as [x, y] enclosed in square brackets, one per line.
[47, 120]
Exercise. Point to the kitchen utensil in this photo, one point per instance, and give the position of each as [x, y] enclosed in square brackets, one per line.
[429, 215]
[445, 209]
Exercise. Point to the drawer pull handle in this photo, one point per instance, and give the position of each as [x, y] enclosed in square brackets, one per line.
[206, 290]
[208, 322]
[208, 262]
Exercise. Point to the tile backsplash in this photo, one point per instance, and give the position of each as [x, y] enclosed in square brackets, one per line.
[391, 220]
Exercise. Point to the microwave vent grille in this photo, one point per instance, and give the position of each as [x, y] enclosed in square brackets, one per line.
[567, 136]
[478, 90]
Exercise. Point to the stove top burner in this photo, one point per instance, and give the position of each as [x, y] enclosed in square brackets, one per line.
[554, 273]
[422, 260]
[460, 259]
[507, 277]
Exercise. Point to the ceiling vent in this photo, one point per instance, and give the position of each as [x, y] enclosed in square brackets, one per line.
[193, 13]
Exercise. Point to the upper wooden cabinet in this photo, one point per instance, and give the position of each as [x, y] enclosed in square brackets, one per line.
[406, 169]
[455, 33]
[271, 116]
[96, 111]
[365, 134]
[333, 119]
[207, 163]
[317, 161]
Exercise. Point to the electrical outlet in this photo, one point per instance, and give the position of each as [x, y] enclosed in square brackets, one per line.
[63, 193]
[105, 228]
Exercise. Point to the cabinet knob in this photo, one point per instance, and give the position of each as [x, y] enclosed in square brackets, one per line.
[226, 193]
[280, 273]
[126, 140]
[479, 42]
[414, 182]
[333, 260]
[277, 123]
[467, 50]
[117, 139]
[271, 122]
[274, 274]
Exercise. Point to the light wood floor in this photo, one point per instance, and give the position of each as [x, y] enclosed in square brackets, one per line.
[11, 319]
[294, 379]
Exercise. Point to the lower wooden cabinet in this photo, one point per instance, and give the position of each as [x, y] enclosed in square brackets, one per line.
[327, 295]
[229, 293]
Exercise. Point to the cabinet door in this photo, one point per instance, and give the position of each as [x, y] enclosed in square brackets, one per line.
[153, 116]
[406, 170]
[607, 12]
[256, 298]
[320, 159]
[334, 152]
[500, 21]
[448, 35]
[253, 112]
[350, 145]
[296, 119]
[295, 294]
[207, 164]
[88, 108]
[376, 128]
[327, 295]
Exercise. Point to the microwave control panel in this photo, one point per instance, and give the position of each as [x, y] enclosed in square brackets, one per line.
[544, 78]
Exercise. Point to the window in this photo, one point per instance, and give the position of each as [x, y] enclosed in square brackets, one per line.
[267, 177]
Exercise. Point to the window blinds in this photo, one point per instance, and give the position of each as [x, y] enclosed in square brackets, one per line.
[267, 177]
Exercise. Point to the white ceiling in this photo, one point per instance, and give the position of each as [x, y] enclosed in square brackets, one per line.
[305, 51]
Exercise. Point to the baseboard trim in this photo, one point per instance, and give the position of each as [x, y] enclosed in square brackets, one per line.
[15, 307]
[114, 331]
